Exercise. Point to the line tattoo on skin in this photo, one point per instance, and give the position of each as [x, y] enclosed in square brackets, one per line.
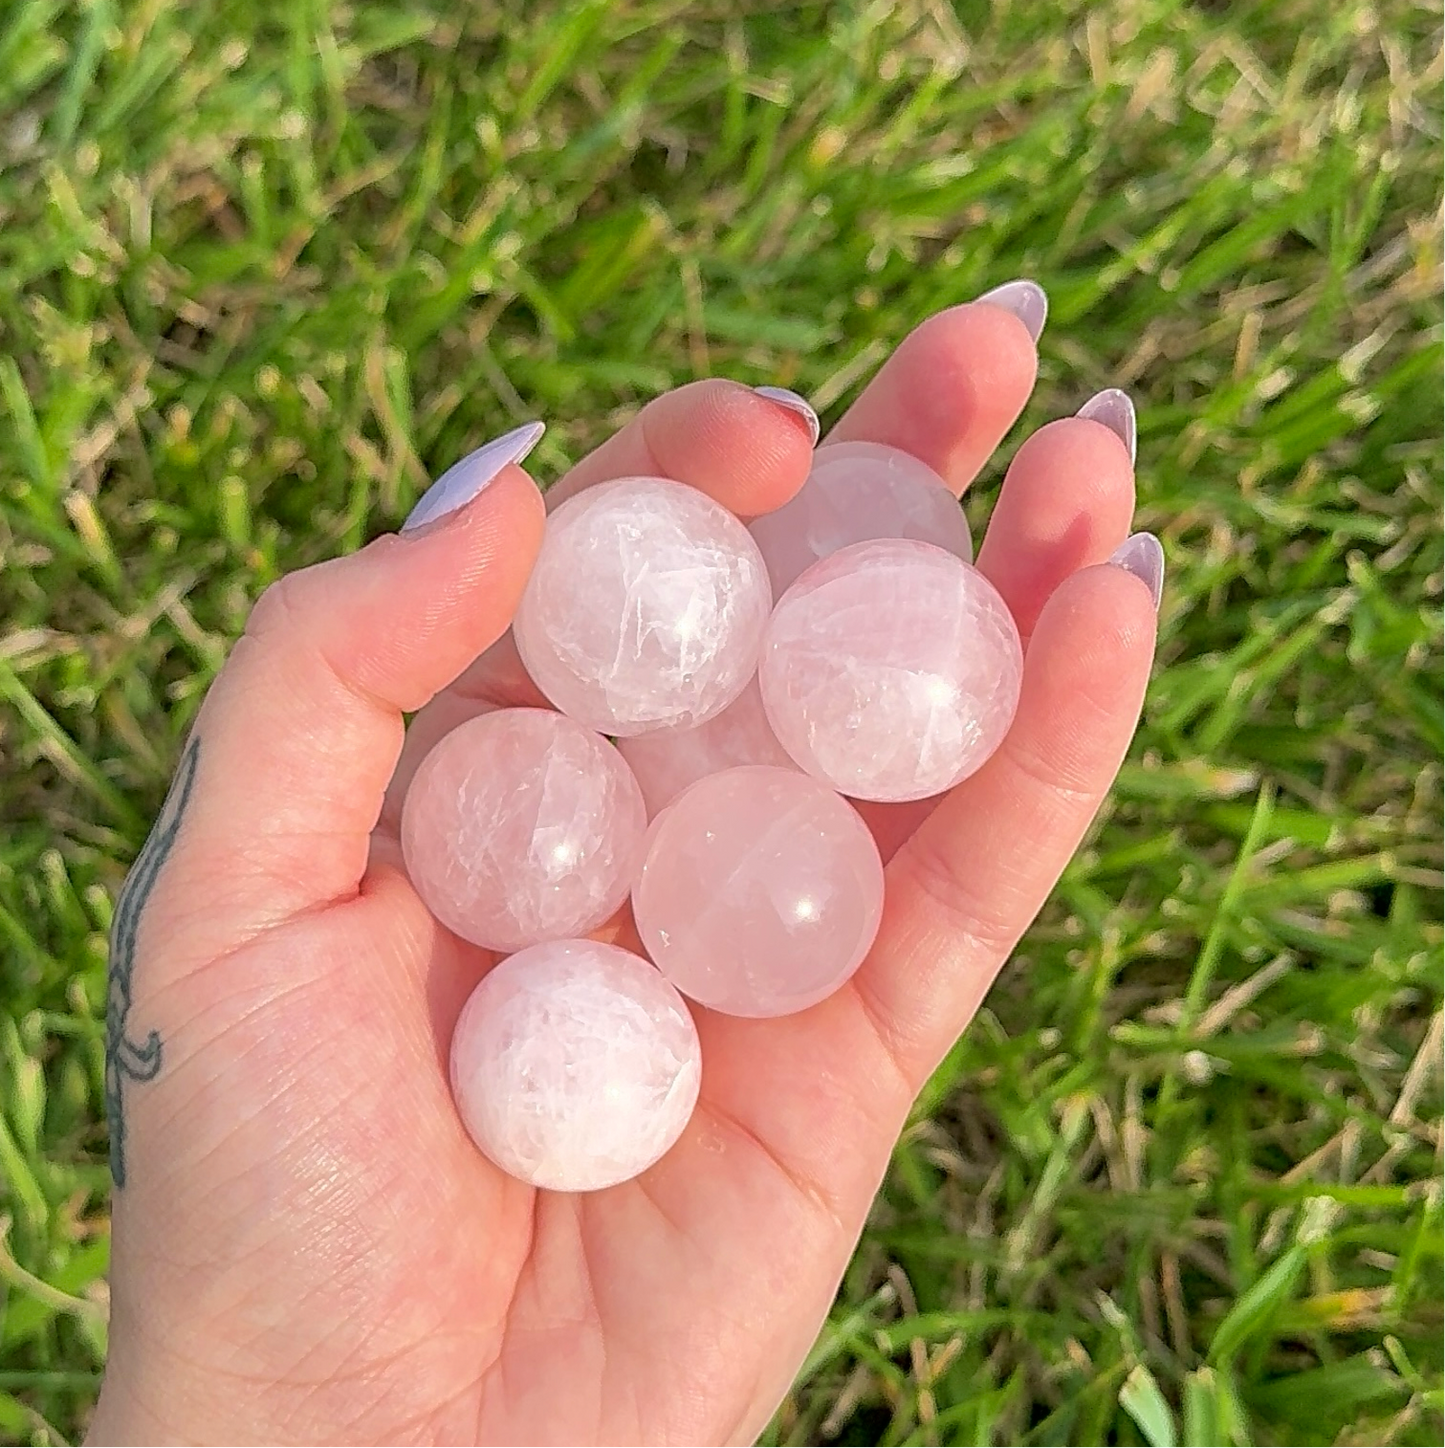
[126, 1058]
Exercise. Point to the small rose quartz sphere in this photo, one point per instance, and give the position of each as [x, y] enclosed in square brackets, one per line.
[891, 670]
[522, 826]
[575, 1065]
[857, 491]
[666, 762]
[761, 891]
[646, 607]
[431, 725]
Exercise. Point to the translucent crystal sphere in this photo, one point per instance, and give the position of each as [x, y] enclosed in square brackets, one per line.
[857, 491]
[522, 826]
[425, 731]
[666, 762]
[761, 892]
[575, 1065]
[646, 607]
[891, 670]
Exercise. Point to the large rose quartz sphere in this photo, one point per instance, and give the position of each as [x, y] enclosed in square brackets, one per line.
[891, 670]
[666, 762]
[522, 826]
[575, 1065]
[646, 607]
[857, 491]
[761, 891]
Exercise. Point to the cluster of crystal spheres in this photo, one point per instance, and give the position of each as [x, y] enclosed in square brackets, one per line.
[754, 679]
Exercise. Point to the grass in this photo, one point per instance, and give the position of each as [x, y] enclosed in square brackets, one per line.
[265, 267]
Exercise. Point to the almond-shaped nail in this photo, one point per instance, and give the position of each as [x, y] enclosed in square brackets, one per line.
[1142, 554]
[464, 480]
[1114, 408]
[794, 403]
[1026, 300]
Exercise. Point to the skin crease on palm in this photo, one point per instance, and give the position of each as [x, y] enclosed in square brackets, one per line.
[307, 1247]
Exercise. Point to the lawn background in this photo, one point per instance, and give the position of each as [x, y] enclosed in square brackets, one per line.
[268, 265]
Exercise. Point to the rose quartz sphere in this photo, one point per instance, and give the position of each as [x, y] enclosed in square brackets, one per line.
[431, 725]
[891, 670]
[666, 762]
[761, 891]
[857, 491]
[575, 1065]
[522, 826]
[646, 607]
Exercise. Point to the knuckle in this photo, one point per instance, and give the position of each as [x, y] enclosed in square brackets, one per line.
[989, 920]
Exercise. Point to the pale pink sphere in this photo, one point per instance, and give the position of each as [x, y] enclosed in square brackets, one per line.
[646, 607]
[761, 891]
[575, 1065]
[666, 762]
[891, 670]
[857, 491]
[522, 826]
[432, 724]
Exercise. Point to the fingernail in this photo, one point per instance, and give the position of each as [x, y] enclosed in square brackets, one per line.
[1026, 300]
[1115, 410]
[784, 398]
[464, 480]
[1142, 554]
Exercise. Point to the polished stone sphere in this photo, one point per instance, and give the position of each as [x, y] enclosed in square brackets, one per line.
[522, 826]
[891, 670]
[761, 891]
[667, 761]
[575, 1065]
[857, 491]
[646, 607]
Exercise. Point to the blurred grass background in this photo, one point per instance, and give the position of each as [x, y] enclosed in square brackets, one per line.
[265, 267]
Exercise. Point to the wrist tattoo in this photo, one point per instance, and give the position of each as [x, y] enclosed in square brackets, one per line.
[126, 1058]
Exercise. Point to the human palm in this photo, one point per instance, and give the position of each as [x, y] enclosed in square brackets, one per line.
[307, 1246]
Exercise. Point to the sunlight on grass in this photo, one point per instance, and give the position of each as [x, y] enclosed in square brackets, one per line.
[265, 268]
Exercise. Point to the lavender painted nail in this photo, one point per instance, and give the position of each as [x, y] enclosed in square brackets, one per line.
[464, 480]
[1142, 554]
[1115, 410]
[794, 403]
[1026, 300]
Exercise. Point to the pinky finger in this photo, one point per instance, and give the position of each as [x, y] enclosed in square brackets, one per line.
[967, 885]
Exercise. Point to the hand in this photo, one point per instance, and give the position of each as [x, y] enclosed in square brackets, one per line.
[307, 1247]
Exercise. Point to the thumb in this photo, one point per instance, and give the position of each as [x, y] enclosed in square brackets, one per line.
[291, 752]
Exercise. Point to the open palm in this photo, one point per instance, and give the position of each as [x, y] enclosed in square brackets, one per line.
[307, 1246]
